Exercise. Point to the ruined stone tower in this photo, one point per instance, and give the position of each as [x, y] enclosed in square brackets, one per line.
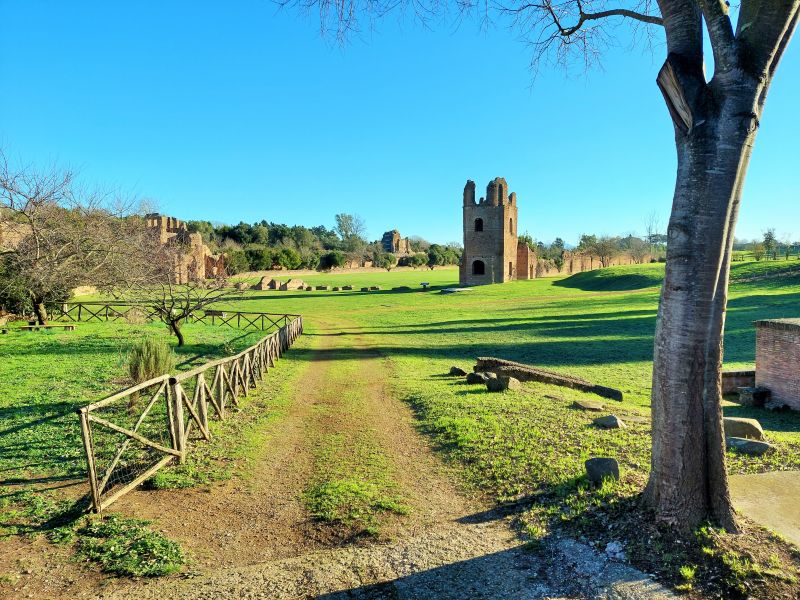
[490, 235]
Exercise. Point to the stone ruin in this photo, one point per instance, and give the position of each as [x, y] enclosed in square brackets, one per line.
[197, 262]
[292, 284]
[394, 244]
[492, 250]
[267, 283]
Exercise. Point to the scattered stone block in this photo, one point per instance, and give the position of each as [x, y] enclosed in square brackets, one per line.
[589, 405]
[502, 383]
[347, 288]
[375, 288]
[242, 286]
[753, 396]
[475, 378]
[293, 284]
[309, 288]
[600, 468]
[751, 447]
[635, 419]
[322, 287]
[609, 422]
[364, 289]
[457, 372]
[336, 288]
[528, 373]
[743, 428]
[267, 283]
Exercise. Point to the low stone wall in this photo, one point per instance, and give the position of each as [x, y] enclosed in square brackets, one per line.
[733, 380]
[778, 359]
[529, 373]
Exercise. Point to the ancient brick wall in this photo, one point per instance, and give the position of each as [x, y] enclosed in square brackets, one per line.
[778, 359]
[197, 262]
[394, 243]
[526, 262]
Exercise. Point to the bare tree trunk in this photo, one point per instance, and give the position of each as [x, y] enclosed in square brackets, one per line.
[688, 482]
[175, 326]
[39, 310]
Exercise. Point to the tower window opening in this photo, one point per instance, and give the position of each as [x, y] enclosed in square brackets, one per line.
[478, 268]
[478, 224]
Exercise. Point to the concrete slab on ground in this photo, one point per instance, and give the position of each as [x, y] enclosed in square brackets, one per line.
[770, 499]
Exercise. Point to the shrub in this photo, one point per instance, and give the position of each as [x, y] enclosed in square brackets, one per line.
[149, 358]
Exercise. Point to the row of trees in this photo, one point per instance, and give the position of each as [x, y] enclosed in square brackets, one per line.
[266, 245]
[769, 247]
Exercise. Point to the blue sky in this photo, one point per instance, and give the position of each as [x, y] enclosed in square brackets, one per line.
[240, 111]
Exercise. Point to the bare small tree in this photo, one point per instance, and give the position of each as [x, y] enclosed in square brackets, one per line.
[58, 237]
[606, 248]
[158, 285]
[637, 250]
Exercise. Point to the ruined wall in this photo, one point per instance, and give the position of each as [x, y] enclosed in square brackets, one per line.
[490, 235]
[197, 262]
[526, 261]
[395, 244]
[778, 359]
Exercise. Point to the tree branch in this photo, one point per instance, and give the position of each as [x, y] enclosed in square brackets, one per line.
[763, 33]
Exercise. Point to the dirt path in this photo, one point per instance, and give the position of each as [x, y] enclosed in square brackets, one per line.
[443, 548]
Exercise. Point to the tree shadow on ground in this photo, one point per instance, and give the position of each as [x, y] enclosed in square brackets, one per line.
[512, 573]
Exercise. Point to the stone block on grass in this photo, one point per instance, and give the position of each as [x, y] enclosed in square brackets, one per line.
[743, 428]
[590, 405]
[503, 383]
[753, 396]
[476, 378]
[750, 447]
[600, 468]
[609, 422]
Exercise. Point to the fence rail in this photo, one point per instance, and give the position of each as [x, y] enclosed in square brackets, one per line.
[132, 434]
[121, 311]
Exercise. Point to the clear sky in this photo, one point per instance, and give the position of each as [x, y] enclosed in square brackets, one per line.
[230, 111]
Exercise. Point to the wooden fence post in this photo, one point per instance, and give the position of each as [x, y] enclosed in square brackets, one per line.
[88, 447]
[202, 406]
[180, 426]
[221, 386]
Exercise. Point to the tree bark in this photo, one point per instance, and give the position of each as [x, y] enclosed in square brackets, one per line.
[175, 326]
[688, 481]
[40, 310]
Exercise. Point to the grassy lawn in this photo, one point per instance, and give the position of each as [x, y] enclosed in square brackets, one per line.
[526, 447]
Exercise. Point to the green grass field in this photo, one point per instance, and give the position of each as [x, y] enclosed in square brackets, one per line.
[597, 325]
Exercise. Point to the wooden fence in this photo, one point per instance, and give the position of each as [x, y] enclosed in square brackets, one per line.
[130, 435]
[121, 311]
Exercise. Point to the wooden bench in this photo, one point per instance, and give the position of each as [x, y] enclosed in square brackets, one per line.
[38, 327]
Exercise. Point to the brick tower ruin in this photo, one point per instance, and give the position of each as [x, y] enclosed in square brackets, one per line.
[490, 236]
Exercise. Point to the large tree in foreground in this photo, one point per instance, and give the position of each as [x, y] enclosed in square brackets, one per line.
[716, 120]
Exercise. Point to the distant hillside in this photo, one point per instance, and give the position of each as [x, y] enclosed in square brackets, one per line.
[636, 277]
